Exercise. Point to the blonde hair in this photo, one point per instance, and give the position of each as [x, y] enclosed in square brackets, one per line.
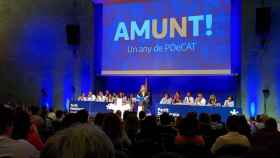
[81, 141]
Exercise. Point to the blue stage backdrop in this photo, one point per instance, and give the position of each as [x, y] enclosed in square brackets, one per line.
[177, 37]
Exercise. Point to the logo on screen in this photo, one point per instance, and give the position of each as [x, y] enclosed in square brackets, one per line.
[170, 28]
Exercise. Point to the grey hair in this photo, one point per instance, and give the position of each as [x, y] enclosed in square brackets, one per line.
[81, 141]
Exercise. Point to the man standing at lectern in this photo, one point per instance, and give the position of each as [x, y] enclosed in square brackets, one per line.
[144, 98]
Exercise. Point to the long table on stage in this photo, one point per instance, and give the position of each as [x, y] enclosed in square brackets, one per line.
[175, 110]
[182, 110]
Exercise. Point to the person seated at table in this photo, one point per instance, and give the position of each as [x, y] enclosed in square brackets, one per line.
[107, 92]
[120, 95]
[131, 100]
[212, 100]
[91, 96]
[189, 99]
[82, 97]
[177, 98]
[229, 102]
[100, 97]
[115, 96]
[200, 100]
[124, 99]
[166, 99]
[110, 98]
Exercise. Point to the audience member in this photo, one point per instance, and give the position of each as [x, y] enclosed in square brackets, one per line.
[51, 114]
[36, 119]
[167, 132]
[142, 115]
[119, 113]
[81, 141]
[98, 120]
[189, 132]
[149, 128]
[232, 137]
[205, 127]
[244, 127]
[57, 123]
[268, 138]
[21, 130]
[10, 148]
[113, 127]
[82, 116]
[76, 136]
[132, 126]
[69, 120]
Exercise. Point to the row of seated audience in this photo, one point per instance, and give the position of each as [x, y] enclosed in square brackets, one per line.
[166, 99]
[33, 133]
[199, 100]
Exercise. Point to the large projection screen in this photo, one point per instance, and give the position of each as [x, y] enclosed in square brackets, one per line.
[166, 37]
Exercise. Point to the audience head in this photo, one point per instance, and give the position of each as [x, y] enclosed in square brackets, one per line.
[112, 126]
[69, 120]
[271, 125]
[131, 122]
[216, 118]
[233, 123]
[178, 122]
[165, 119]
[98, 120]
[59, 114]
[82, 141]
[190, 126]
[82, 116]
[119, 113]
[149, 126]
[125, 114]
[192, 115]
[189, 94]
[142, 115]
[204, 118]
[243, 121]
[6, 121]
[44, 112]
[22, 125]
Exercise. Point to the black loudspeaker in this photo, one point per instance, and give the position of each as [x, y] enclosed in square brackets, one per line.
[263, 20]
[73, 34]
